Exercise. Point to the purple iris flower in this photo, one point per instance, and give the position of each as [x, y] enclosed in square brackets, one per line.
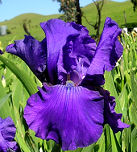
[1, 52]
[71, 108]
[7, 134]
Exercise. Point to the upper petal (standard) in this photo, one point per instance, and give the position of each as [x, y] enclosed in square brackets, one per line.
[66, 43]
[107, 54]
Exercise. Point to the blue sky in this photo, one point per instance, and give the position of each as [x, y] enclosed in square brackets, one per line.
[12, 8]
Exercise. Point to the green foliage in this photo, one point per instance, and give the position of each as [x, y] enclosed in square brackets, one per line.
[134, 4]
[27, 82]
[69, 9]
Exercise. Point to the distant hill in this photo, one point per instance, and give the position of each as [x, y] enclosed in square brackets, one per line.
[15, 26]
[112, 9]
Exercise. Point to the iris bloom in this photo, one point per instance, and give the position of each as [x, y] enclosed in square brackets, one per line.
[7, 134]
[1, 52]
[71, 108]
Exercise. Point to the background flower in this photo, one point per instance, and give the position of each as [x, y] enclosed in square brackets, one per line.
[7, 134]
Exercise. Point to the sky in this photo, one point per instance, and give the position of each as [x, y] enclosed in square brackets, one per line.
[12, 8]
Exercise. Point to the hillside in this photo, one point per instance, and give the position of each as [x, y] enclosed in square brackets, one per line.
[15, 25]
[112, 9]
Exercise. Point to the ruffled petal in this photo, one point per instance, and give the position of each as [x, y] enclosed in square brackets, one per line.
[107, 54]
[71, 116]
[82, 45]
[66, 43]
[33, 53]
[110, 116]
[7, 134]
[77, 55]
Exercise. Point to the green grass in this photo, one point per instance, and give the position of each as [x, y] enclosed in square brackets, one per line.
[110, 9]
